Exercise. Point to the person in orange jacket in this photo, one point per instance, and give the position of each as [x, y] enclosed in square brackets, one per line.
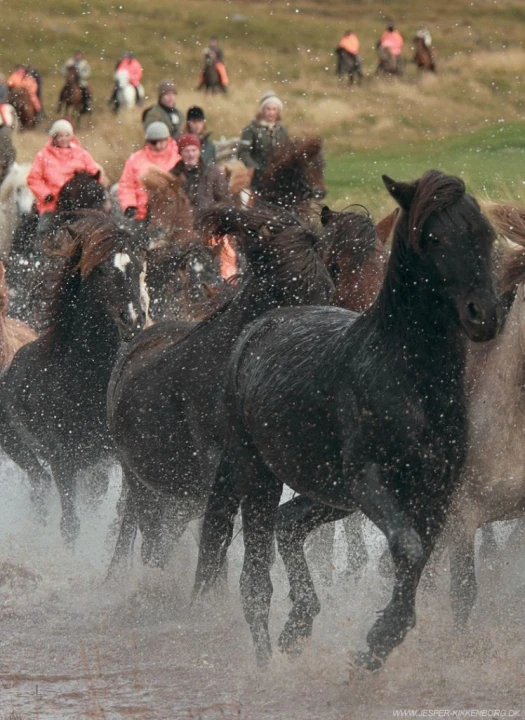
[350, 44]
[19, 78]
[392, 40]
[159, 150]
[131, 65]
[60, 158]
[215, 52]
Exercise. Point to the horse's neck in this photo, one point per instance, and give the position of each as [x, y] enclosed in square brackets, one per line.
[88, 333]
[496, 373]
[407, 310]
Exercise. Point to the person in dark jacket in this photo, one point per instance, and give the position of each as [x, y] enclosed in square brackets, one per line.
[262, 136]
[196, 125]
[203, 184]
[165, 110]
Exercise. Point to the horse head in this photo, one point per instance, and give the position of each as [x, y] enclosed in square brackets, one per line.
[100, 277]
[170, 209]
[443, 232]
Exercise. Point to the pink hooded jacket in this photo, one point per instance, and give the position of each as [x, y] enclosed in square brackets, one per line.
[53, 167]
[131, 191]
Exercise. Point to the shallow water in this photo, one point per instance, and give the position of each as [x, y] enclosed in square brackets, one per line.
[73, 647]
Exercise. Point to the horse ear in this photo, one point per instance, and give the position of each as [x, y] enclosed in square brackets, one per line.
[403, 193]
[326, 215]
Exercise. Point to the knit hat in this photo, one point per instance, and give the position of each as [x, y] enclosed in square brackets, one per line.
[195, 113]
[157, 131]
[61, 126]
[165, 87]
[270, 97]
[187, 140]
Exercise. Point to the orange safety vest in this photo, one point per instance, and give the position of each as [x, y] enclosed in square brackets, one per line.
[350, 43]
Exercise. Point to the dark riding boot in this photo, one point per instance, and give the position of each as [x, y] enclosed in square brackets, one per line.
[87, 100]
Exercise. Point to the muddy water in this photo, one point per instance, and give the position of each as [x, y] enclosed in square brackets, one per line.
[74, 647]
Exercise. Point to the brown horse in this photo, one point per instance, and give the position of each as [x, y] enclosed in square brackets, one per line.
[71, 97]
[171, 221]
[423, 56]
[13, 333]
[295, 175]
[181, 271]
[20, 99]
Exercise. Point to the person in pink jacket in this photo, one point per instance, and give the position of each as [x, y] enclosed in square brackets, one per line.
[159, 150]
[60, 158]
[131, 65]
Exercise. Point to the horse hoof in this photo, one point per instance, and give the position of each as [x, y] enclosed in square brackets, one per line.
[369, 661]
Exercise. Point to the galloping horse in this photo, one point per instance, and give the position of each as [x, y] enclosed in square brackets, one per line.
[348, 64]
[210, 79]
[172, 445]
[20, 99]
[53, 396]
[337, 405]
[71, 97]
[423, 55]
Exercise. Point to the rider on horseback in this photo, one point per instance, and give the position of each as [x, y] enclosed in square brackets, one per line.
[214, 52]
[20, 78]
[423, 33]
[389, 48]
[131, 65]
[83, 71]
[350, 44]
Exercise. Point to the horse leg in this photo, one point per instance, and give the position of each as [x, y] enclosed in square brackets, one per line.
[39, 479]
[259, 507]
[66, 481]
[357, 553]
[217, 529]
[295, 520]
[128, 525]
[408, 553]
[463, 586]
[320, 552]
[488, 545]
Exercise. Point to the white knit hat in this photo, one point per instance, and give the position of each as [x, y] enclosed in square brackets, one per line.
[270, 97]
[63, 126]
[157, 131]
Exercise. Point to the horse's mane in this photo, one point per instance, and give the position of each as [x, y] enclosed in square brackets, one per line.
[434, 192]
[82, 192]
[82, 246]
[509, 223]
[157, 179]
[275, 241]
[296, 153]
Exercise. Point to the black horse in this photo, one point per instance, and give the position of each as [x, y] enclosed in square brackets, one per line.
[53, 396]
[164, 402]
[28, 258]
[348, 64]
[353, 411]
[294, 175]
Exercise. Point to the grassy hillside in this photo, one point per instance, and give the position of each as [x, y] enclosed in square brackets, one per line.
[398, 126]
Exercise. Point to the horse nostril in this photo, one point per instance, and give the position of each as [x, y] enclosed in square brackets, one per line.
[124, 316]
[474, 313]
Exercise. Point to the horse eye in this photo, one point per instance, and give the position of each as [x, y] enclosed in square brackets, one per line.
[434, 239]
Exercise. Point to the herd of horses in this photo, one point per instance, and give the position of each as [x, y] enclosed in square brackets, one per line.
[315, 368]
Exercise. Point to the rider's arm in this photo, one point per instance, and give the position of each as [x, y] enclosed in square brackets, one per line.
[245, 150]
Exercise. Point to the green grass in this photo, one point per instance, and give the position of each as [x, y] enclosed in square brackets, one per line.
[490, 161]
